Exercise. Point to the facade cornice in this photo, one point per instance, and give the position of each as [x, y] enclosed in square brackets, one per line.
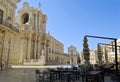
[14, 5]
[3, 8]
[24, 10]
[56, 40]
[18, 0]
[26, 31]
[8, 29]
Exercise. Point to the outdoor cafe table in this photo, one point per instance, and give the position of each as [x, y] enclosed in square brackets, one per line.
[95, 74]
[107, 68]
[67, 73]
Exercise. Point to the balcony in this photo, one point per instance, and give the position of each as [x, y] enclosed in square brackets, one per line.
[26, 27]
[10, 26]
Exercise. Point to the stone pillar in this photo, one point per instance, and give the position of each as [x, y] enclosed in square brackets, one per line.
[35, 42]
[48, 49]
[29, 49]
[9, 48]
[2, 50]
[30, 18]
[38, 49]
[36, 24]
[45, 47]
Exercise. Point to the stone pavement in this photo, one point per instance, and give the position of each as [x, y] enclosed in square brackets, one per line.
[108, 79]
[17, 75]
[24, 75]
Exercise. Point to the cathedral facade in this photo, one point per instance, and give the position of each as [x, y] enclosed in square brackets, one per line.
[73, 54]
[23, 39]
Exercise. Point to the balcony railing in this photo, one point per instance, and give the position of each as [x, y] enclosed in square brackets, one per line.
[9, 26]
[26, 27]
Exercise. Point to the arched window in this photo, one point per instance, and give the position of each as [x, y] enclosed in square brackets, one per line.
[25, 18]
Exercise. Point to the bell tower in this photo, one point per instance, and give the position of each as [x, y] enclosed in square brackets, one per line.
[31, 17]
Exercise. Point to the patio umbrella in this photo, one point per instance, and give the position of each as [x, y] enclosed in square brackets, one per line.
[86, 54]
[99, 54]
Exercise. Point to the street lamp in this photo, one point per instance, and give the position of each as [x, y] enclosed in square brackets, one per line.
[115, 40]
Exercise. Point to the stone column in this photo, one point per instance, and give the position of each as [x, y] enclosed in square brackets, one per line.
[38, 49]
[36, 23]
[2, 50]
[35, 42]
[45, 48]
[29, 48]
[30, 18]
[9, 48]
[48, 49]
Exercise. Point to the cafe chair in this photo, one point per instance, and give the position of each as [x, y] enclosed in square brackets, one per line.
[38, 75]
[53, 75]
[42, 76]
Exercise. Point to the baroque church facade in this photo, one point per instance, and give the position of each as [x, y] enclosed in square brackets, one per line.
[23, 39]
[74, 55]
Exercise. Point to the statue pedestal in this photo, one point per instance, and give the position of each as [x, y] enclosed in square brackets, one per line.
[43, 60]
[39, 62]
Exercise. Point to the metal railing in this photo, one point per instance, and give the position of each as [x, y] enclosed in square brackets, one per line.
[9, 26]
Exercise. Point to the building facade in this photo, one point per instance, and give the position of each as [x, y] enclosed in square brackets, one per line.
[36, 47]
[23, 39]
[55, 51]
[74, 57]
[93, 57]
[108, 53]
[7, 30]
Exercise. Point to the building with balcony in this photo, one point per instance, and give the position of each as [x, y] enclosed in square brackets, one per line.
[93, 57]
[36, 47]
[23, 39]
[7, 30]
[110, 51]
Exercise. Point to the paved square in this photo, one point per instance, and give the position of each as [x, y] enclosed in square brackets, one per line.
[24, 75]
[17, 75]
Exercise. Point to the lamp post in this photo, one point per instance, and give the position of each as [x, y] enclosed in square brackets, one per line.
[115, 40]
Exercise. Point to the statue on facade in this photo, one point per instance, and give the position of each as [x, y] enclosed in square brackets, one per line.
[42, 52]
[30, 21]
